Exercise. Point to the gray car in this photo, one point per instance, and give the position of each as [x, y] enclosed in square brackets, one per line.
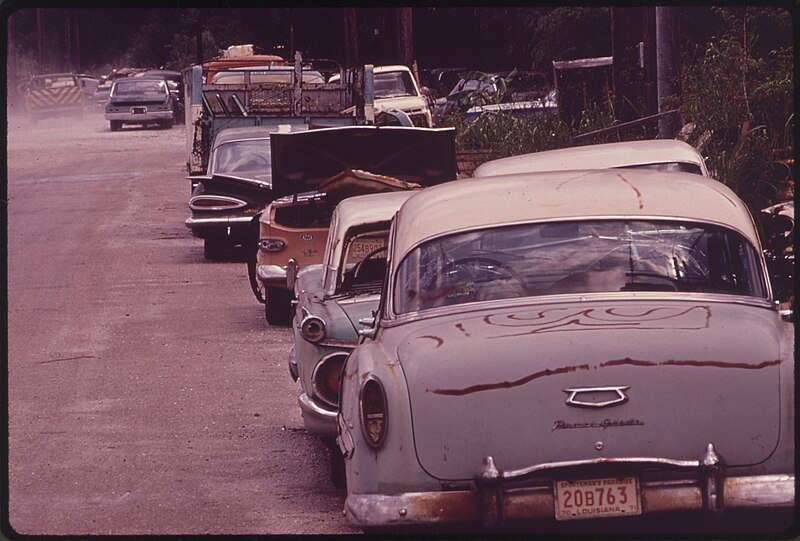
[570, 345]
[139, 100]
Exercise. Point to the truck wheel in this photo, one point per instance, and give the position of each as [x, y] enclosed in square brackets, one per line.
[213, 249]
[278, 306]
[116, 125]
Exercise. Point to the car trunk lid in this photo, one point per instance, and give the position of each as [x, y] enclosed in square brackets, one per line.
[301, 161]
[678, 376]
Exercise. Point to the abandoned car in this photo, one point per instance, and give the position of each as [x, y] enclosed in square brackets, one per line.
[237, 186]
[314, 170]
[333, 297]
[53, 95]
[570, 345]
[140, 101]
[661, 154]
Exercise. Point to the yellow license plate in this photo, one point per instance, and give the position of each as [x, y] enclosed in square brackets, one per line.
[359, 249]
[595, 498]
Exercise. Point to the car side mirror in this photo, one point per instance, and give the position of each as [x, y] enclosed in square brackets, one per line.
[368, 328]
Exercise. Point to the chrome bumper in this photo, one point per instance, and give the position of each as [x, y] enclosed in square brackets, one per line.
[192, 222]
[319, 422]
[140, 117]
[463, 506]
[272, 275]
[706, 489]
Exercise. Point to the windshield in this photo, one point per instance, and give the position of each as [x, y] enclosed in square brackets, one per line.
[576, 257]
[138, 88]
[394, 83]
[247, 159]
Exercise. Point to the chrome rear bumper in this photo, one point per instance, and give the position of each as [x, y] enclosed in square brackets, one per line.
[318, 421]
[272, 275]
[463, 506]
[706, 488]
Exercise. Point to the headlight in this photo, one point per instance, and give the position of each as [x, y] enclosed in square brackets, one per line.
[327, 378]
[374, 413]
[312, 328]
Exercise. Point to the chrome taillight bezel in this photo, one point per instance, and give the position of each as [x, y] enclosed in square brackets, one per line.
[225, 202]
[319, 378]
[367, 417]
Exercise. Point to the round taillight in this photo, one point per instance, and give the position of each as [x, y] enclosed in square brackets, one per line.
[374, 413]
[313, 329]
[327, 378]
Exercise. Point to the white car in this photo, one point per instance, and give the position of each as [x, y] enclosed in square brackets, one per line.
[572, 345]
[661, 154]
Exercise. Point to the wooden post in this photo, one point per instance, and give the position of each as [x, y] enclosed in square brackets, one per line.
[667, 60]
[351, 59]
[405, 44]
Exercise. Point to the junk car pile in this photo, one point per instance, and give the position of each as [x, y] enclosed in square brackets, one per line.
[570, 335]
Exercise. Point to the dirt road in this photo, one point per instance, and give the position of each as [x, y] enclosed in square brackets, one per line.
[147, 395]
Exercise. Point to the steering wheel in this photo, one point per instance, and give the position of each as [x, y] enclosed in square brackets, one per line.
[360, 264]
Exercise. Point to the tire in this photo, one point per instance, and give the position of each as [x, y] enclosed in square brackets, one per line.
[278, 306]
[116, 125]
[213, 249]
[166, 124]
[338, 476]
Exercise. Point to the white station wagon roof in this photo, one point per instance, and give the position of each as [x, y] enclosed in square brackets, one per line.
[562, 195]
[609, 155]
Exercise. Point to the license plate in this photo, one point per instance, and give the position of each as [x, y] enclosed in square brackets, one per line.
[593, 498]
[359, 249]
[138, 110]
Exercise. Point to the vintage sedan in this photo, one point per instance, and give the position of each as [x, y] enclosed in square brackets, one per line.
[661, 154]
[236, 187]
[140, 101]
[333, 297]
[571, 345]
[315, 170]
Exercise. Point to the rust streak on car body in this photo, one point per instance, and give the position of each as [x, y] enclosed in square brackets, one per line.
[635, 189]
[591, 319]
[509, 384]
[460, 327]
[673, 362]
[439, 341]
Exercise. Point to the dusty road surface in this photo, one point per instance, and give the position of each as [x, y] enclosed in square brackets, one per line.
[147, 395]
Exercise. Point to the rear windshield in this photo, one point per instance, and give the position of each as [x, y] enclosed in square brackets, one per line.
[138, 88]
[577, 257]
[248, 159]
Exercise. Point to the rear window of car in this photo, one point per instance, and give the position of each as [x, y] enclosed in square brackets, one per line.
[592, 256]
[137, 88]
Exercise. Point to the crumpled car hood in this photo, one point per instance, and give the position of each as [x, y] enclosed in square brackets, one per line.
[303, 160]
[497, 383]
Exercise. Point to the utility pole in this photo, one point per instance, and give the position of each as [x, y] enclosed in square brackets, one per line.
[405, 42]
[199, 36]
[667, 51]
[350, 38]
